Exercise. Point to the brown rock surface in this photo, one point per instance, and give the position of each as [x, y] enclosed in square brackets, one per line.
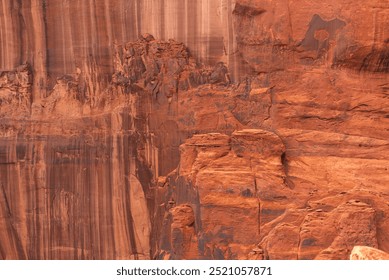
[265, 134]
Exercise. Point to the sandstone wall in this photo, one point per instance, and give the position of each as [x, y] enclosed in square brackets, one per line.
[263, 135]
[60, 36]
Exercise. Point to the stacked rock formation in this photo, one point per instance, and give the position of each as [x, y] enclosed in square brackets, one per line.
[264, 135]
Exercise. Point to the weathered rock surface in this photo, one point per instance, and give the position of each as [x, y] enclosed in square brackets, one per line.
[368, 253]
[60, 36]
[224, 178]
[15, 92]
[265, 135]
[65, 194]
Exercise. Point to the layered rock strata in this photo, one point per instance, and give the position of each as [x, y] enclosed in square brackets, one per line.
[265, 136]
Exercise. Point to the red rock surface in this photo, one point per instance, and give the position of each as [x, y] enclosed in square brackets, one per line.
[264, 135]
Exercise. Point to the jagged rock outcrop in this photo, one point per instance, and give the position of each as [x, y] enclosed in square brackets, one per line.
[264, 135]
[15, 91]
[222, 178]
[59, 36]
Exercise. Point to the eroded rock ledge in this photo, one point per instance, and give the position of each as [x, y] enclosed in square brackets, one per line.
[169, 158]
[221, 179]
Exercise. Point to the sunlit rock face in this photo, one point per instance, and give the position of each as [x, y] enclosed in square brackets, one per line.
[194, 129]
[368, 253]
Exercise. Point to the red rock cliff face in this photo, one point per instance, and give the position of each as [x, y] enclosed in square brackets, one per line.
[60, 36]
[265, 135]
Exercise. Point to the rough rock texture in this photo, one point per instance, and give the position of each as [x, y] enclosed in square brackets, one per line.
[368, 253]
[223, 178]
[15, 92]
[59, 36]
[265, 135]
